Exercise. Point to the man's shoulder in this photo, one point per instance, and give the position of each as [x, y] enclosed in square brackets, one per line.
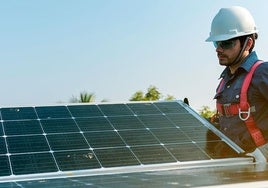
[262, 68]
[264, 64]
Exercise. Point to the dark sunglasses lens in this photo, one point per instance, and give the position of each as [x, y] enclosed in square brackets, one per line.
[225, 44]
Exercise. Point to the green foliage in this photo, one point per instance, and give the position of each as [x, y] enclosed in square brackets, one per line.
[170, 98]
[138, 96]
[152, 95]
[206, 112]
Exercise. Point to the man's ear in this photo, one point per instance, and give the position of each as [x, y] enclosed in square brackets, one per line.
[249, 44]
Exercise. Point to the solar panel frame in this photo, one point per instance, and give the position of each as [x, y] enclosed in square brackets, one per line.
[224, 176]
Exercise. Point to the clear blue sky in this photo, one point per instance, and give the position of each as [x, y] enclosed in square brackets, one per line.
[51, 50]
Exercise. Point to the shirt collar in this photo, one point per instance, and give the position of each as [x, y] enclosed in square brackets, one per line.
[246, 65]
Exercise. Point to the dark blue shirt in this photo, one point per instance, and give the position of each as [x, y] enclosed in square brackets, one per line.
[233, 126]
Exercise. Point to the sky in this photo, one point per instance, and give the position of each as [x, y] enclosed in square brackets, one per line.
[52, 50]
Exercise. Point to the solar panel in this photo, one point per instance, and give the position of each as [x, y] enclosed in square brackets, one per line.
[55, 139]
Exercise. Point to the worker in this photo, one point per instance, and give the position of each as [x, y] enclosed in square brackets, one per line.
[242, 118]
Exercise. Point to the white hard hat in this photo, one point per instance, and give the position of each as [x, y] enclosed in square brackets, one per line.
[231, 23]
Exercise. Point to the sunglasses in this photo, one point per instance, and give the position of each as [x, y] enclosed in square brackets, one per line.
[227, 44]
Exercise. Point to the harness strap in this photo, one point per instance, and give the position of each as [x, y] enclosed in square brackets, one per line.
[244, 106]
[243, 96]
[243, 109]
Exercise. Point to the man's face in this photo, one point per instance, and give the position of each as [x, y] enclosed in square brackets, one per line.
[227, 51]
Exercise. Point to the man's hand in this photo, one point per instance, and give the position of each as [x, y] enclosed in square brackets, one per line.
[260, 154]
[264, 150]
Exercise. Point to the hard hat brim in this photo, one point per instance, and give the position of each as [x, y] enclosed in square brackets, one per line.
[227, 37]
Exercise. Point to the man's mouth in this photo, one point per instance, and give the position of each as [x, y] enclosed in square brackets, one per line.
[221, 56]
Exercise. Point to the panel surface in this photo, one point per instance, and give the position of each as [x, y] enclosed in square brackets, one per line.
[47, 139]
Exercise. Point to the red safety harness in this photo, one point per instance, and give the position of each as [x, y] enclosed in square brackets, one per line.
[243, 109]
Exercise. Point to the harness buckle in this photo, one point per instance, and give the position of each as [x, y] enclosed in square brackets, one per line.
[226, 110]
[241, 113]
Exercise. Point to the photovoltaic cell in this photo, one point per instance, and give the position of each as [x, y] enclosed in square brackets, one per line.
[179, 150]
[85, 111]
[170, 108]
[59, 125]
[3, 149]
[67, 141]
[4, 166]
[116, 157]
[48, 112]
[33, 163]
[195, 134]
[156, 121]
[185, 120]
[46, 139]
[76, 160]
[1, 131]
[22, 127]
[138, 137]
[18, 113]
[116, 109]
[22, 144]
[126, 122]
[94, 124]
[153, 154]
[144, 108]
[170, 135]
[104, 139]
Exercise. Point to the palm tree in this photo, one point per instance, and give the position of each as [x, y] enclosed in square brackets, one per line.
[84, 97]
